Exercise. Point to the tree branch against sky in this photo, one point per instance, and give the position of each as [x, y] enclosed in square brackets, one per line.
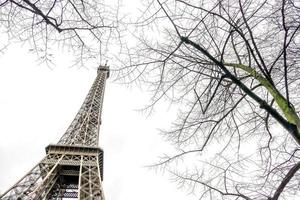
[233, 67]
[84, 28]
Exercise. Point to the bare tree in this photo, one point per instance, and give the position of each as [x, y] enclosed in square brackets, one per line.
[233, 69]
[83, 27]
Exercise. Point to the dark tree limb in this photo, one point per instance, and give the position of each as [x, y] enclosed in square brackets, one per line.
[291, 128]
[285, 181]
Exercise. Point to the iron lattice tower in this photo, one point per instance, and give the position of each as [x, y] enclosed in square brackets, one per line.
[73, 168]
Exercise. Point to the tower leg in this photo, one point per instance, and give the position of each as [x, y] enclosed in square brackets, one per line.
[35, 184]
[89, 179]
[66, 172]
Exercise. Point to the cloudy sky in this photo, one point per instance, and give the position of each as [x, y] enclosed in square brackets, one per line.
[37, 104]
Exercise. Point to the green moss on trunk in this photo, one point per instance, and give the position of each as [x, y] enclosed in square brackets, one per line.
[288, 111]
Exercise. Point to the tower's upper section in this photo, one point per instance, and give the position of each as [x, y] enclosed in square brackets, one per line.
[84, 130]
[102, 68]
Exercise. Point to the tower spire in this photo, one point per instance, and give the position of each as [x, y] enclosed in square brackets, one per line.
[84, 130]
[73, 168]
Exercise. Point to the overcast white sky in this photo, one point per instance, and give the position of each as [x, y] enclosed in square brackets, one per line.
[37, 105]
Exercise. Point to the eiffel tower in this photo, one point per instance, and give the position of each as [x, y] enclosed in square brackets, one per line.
[72, 168]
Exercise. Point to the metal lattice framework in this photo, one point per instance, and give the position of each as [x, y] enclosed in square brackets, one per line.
[73, 168]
